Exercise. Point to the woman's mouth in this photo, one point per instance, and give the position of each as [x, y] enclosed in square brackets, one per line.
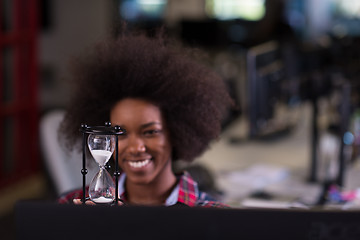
[139, 164]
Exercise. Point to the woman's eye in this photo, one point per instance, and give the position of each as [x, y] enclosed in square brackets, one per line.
[152, 132]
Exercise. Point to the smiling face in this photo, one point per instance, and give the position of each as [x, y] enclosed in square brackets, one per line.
[145, 149]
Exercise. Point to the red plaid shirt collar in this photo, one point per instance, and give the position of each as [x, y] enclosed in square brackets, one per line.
[188, 190]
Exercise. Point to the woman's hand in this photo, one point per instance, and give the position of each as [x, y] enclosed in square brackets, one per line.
[78, 201]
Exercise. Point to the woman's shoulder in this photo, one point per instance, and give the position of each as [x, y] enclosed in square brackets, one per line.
[206, 200]
[195, 197]
[213, 204]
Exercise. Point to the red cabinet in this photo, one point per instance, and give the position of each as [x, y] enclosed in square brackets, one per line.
[19, 150]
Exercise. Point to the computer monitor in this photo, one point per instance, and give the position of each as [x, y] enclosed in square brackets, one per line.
[39, 220]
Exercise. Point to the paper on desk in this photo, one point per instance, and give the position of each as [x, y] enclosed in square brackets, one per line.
[307, 193]
[258, 203]
[239, 184]
[274, 180]
[258, 176]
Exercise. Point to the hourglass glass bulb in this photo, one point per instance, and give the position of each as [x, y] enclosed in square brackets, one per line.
[102, 186]
[101, 147]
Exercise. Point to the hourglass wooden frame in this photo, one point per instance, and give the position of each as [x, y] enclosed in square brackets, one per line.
[101, 130]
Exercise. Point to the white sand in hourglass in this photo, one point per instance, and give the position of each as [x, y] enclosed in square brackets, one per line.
[102, 200]
[101, 156]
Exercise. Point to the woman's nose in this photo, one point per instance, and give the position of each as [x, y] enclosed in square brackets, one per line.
[136, 145]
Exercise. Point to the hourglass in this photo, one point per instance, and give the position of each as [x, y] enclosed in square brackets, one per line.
[101, 140]
[102, 186]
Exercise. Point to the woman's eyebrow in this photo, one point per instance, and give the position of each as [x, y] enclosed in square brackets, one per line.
[150, 124]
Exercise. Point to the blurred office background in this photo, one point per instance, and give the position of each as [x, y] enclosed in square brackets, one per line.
[292, 67]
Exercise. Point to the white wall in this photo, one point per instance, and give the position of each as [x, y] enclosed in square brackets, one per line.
[184, 9]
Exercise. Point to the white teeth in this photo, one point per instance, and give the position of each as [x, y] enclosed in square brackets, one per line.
[139, 164]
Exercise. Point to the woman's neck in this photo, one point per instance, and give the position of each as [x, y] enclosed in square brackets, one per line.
[154, 193]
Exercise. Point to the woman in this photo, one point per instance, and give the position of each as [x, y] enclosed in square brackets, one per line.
[170, 105]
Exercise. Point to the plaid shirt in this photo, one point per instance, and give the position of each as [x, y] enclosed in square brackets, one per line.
[188, 194]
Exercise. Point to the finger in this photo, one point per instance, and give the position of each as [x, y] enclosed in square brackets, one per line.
[89, 202]
[77, 201]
